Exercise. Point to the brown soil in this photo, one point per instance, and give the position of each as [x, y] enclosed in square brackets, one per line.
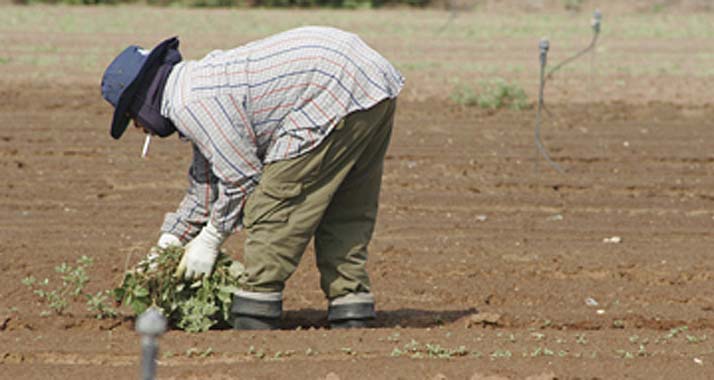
[476, 246]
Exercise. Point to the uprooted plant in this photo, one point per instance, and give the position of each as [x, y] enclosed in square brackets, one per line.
[192, 307]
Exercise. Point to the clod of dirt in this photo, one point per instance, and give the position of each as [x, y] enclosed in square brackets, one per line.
[484, 319]
[11, 358]
[3, 324]
[109, 325]
[332, 376]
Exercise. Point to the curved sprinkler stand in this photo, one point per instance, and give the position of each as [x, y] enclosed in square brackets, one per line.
[544, 46]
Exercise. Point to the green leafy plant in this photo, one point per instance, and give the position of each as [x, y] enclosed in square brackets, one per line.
[498, 93]
[464, 95]
[193, 307]
[73, 280]
[99, 304]
[494, 94]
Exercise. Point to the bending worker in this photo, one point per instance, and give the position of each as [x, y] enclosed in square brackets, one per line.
[289, 135]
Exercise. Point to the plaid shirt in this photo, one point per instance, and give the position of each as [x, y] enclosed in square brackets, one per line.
[269, 100]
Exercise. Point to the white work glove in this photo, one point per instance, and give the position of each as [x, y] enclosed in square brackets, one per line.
[165, 240]
[200, 254]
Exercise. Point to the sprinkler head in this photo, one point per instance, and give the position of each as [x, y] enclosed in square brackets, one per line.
[544, 45]
[151, 323]
[597, 19]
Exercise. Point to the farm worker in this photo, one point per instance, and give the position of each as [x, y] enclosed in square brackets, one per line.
[289, 135]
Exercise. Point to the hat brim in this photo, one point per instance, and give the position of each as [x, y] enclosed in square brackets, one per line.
[121, 117]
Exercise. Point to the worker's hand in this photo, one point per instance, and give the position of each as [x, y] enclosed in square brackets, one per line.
[165, 240]
[168, 240]
[200, 254]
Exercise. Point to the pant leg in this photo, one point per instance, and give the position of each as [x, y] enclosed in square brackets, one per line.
[280, 217]
[283, 212]
[346, 228]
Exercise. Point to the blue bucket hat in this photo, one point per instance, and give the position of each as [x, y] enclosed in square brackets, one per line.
[123, 77]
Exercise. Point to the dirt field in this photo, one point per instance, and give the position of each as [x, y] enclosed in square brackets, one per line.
[484, 265]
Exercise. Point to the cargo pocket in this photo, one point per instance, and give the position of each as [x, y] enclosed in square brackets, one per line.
[271, 203]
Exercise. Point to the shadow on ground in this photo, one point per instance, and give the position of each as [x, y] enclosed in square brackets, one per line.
[408, 318]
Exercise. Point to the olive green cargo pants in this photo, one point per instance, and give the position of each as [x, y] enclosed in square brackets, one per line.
[331, 193]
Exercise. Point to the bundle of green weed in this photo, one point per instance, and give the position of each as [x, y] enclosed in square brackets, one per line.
[193, 307]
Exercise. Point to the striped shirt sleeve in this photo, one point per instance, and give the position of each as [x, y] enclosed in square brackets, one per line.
[194, 210]
[219, 131]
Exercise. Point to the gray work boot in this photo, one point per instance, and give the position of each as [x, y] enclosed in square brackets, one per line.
[256, 311]
[353, 310]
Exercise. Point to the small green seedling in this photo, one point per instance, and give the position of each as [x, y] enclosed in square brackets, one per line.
[501, 354]
[581, 339]
[73, 281]
[197, 352]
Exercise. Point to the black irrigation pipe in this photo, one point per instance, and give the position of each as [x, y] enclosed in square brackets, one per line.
[544, 45]
[597, 19]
